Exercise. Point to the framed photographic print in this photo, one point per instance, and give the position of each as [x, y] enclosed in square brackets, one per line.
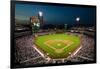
[49, 34]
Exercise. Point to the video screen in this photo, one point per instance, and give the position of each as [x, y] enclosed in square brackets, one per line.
[53, 34]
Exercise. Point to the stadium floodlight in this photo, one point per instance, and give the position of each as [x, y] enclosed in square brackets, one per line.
[40, 13]
[77, 19]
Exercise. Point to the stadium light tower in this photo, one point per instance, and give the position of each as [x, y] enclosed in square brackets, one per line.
[40, 16]
[65, 27]
[77, 19]
[40, 13]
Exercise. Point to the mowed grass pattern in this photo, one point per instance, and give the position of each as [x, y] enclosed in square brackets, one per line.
[40, 43]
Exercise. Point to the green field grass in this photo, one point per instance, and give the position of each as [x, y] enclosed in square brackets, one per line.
[57, 45]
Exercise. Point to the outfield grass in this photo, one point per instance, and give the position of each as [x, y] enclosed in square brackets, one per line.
[57, 45]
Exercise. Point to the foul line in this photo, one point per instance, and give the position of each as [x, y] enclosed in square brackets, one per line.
[38, 51]
[77, 50]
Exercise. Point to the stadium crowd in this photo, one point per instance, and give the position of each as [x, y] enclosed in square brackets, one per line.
[25, 54]
[86, 53]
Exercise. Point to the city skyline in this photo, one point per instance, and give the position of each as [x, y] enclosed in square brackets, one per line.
[56, 14]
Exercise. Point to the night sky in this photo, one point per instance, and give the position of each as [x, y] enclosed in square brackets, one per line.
[56, 14]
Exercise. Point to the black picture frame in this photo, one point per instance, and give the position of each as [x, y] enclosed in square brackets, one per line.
[12, 27]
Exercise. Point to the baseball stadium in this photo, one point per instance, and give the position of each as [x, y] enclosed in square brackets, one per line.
[58, 45]
[53, 36]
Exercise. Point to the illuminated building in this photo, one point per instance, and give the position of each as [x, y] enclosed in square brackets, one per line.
[35, 24]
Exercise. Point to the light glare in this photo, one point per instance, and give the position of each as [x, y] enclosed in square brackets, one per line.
[78, 19]
[40, 13]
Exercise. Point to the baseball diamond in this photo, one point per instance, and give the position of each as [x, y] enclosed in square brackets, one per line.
[58, 45]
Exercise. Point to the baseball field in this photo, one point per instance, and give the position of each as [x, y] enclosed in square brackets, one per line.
[57, 46]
